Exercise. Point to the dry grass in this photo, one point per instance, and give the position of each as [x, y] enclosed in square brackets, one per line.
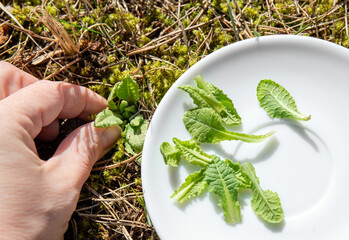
[97, 42]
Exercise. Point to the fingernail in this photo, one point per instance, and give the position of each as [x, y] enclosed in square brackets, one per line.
[110, 136]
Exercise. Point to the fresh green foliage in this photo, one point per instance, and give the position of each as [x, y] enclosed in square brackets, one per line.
[107, 118]
[171, 154]
[191, 152]
[223, 178]
[266, 204]
[121, 107]
[205, 125]
[135, 134]
[111, 97]
[244, 182]
[206, 95]
[222, 181]
[193, 186]
[277, 101]
[126, 109]
[127, 90]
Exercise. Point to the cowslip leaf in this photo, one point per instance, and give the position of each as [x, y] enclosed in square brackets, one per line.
[265, 204]
[107, 118]
[191, 152]
[277, 101]
[135, 134]
[244, 182]
[222, 182]
[171, 154]
[204, 124]
[229, 113]
[111, 97]
[127, 90]
[206, 95]
[193, 186]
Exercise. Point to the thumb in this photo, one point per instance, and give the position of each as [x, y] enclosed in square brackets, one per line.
[77, 153]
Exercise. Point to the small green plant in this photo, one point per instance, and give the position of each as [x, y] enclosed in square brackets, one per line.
[121, 112]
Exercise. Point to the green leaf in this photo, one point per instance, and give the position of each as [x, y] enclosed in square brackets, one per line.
[135, 135]
[204, 124]
[266, 204]
[222, 182]
[191, 152]
[107, 118]
[206, 95]
[137, 121]
[111, 97]
[127, 90]
[244, 182]
[193, 186]
[171, 154]
[277, 101]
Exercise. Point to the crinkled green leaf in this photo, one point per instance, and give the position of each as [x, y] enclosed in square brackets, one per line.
[171, 154]
[277, 101]
[127, 90]
[192, 152]
[204, 124]
[107, 118]
[265, 204]
[193, 186]
[123, 105]
[244, 182]
[137, 121]
[222, 182]
[229, 113]
[206, 95]
[135, 135]
[111, 97]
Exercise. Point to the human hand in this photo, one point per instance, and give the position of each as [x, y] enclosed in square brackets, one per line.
[37, 198]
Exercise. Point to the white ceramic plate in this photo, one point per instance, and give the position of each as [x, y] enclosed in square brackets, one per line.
[306, 163]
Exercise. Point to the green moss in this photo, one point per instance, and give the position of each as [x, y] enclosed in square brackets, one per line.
[182, 61]
[251, 13]
[52, 10]
[120, 17]
[144, 40]
[111, 59]
[111, 175]
[138, 182]
[120, 149]
[88, 20]
[94, 181]
[324, 6]
[22, 13]
[216, 4]
[339, 26]
[345, 42]
[100, 89]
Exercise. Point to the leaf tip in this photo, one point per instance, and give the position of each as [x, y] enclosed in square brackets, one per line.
[307, 118]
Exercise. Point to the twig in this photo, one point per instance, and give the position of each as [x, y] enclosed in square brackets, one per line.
[117, 164]
[62, 69]
[110, 209]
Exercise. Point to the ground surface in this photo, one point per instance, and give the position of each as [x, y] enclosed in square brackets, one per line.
[95, 43]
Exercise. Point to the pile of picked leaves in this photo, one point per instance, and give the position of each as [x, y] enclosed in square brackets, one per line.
[98, 43]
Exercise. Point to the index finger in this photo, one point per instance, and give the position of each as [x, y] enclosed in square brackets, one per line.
[40, 103]
[12, 79]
